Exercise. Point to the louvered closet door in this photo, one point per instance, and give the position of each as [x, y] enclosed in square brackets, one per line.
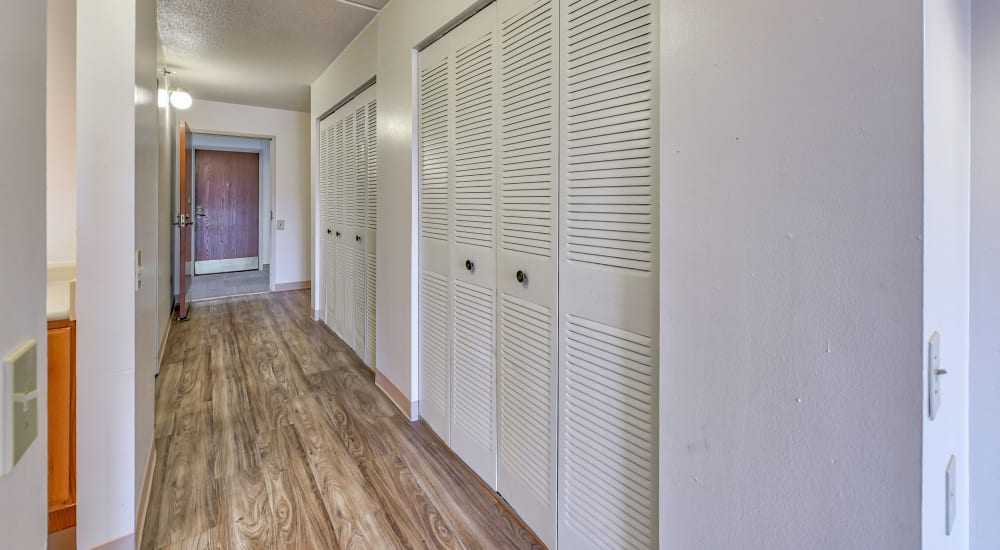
[359, 233]
[326, 214]
[350, 223]
[528, 245]
[371, 222]
[434, 189]
[339, 253]
[473, 254]
[608, 275]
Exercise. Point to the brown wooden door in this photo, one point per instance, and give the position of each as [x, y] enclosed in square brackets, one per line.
[227, 211]
[184, 217]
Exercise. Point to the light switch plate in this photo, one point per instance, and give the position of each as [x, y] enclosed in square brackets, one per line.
[934, 375]
[950, 497]
[18, 404]
[281, 225]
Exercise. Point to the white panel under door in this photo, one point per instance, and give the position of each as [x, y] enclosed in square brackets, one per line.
[527, 262]
[435, 292]
[608, 278]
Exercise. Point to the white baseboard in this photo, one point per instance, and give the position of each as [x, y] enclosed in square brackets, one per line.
[147, 488]
[299, 285]
[409, 408]
[163, 341]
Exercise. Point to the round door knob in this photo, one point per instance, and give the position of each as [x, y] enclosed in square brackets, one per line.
[328, 231]
[338, 233]
[521, 276]
[469, 265]
[357, 238]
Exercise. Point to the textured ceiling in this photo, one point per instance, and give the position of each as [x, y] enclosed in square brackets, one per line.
[256, 52]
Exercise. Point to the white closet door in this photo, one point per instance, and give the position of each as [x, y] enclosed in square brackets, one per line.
[326, 214]
[435, 292]
[371, 154]
[350, 206]
[473, 255]
[339, 255]
[608, 275]
[360, 230]
[528, 246]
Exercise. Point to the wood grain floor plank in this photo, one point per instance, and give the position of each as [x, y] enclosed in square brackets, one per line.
[345, 494]
[300, 519]
[272, 434]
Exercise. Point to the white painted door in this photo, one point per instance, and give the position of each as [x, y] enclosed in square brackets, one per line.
[326, 160]
[472, 47]
[434, 132]
[527, 261]
[348, 186]
[371, 222]
[608, 282]
[340, 254]
[359, 232]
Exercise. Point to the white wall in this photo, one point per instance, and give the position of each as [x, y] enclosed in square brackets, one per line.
[984, 379]
[23, 496]
[290, 130]
[385, 50]
[61, 133]
[791, 274]
[146, 233]
[947, 88]
[165, 218]
[116, 173]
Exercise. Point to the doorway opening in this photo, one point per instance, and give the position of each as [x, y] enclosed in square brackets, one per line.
[232, 213]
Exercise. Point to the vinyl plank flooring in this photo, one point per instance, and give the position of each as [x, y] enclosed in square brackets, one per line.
[270, 433]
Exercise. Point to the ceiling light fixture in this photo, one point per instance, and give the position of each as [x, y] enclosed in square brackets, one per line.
[180, 98]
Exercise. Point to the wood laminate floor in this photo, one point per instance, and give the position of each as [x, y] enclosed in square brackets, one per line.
[271, 434]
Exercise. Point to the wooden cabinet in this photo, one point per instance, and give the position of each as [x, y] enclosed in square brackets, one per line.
[62, 425]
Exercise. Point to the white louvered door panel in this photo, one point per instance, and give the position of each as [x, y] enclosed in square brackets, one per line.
[435, 293]
[472, 47]
[527, 411]
[371, 154]
[360, 230]
[350, 207]
[338, 227]
[326, 215]
[608, 275]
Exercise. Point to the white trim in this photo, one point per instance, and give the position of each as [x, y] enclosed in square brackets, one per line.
[205, 267]
[147, 489]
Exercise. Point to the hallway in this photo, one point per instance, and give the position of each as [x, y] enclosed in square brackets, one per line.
[271, 434]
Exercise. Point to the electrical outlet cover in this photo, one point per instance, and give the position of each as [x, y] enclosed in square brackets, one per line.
[18, 404]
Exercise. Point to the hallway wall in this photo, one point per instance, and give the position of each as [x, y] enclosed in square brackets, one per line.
[946, 115]
[293, 262]
[116, 337]
[385, 50]
[60, 133]
[791, 283]
[23, 497]
[984, 383]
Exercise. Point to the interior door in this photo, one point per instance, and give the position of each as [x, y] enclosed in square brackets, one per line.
[608, 276]
[527, 267]
[227, 211]
[472, 48]
[183, 222]
[435, 292]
